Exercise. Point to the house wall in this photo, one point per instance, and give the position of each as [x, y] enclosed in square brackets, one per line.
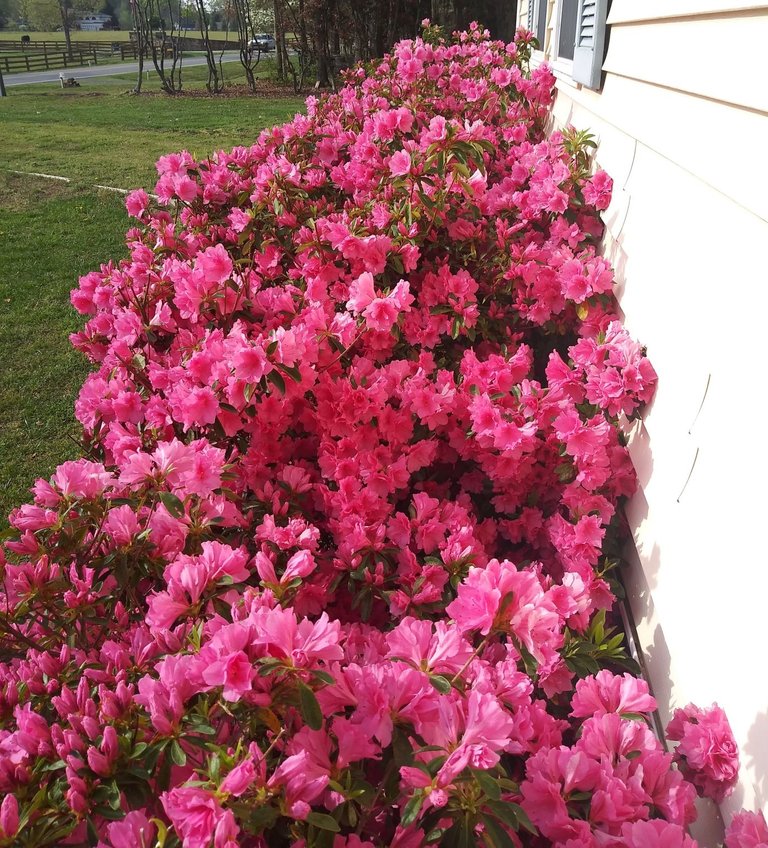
[682, 128]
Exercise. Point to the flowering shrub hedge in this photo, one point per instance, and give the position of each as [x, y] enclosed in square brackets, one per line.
[335, 568]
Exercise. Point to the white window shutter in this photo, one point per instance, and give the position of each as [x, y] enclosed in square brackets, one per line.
[531, 10]
[590, 42]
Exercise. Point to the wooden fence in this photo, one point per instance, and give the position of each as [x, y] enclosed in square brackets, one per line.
[51, 55]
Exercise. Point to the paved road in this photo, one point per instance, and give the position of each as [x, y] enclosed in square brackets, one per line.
[83, 73]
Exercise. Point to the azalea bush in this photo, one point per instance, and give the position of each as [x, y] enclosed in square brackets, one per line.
[337, 567]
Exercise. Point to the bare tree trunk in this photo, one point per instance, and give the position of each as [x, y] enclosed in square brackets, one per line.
[279, 41]
[320, 37]
[150, 11]
[245, 34]
[65, 24]
[141, 43]
[214, 84]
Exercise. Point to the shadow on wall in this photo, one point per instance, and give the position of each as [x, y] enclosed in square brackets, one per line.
[655, 657]
[644, 554]
[756, 750]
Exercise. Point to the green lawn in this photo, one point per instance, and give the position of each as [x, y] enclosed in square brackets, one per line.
[76, 35]
[99, 35]
[52, 232]
[94, 135]
[49, 234]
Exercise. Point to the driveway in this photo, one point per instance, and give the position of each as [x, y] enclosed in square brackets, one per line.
[101, 70]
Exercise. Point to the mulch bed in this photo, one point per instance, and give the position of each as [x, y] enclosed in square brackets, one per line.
[270, 90]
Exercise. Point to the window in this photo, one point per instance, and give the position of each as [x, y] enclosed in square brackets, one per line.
[571, 35]
[566, 39]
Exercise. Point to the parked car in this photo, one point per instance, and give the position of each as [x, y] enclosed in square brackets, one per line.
[263, 41]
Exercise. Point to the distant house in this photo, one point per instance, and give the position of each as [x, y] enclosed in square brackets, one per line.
[94, 21]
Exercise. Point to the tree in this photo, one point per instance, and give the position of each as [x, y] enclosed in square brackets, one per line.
[9, 12]
[215, 83]
[244, 22]
[158, 34]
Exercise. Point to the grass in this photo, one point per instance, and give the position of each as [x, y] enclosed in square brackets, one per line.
[49, 234]
[98, 134]
[52, 232]
[99, 35]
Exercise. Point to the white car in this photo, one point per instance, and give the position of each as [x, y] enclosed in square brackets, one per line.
[263, 41]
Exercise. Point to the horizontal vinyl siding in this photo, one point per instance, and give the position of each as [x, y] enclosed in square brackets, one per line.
[723, 146]
[719, 57]
[627, 11]
[682, 128]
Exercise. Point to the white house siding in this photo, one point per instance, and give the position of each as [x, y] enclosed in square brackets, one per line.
[682, 124]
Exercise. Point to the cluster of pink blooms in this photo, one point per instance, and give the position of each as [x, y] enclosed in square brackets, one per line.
[707, 753]
[334, 569]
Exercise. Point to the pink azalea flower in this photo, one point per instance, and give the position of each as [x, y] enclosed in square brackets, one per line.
[381, 314]
[134, 831]
[215, 264]
[707, 751]
[400, 163]
[747, 830]
[233, 673]
[361, 293]
[136, 203]
[610, 693]
[656, 834]
[197, 817]
[9, 819]
[304, 781]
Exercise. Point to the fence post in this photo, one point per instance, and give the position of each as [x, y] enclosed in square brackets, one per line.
[26, 59]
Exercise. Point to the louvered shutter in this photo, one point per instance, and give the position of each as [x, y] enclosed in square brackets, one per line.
[531, 10]
[590, 42]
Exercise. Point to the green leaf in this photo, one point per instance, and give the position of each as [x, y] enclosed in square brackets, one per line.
[323, 821]
[442, 684]
[310, 708]
[290, 370]
[276, 378]
[512, 815]
[402, 751]
[633, 716]
[434, 765]
[459, 835]
[173, 504]
[178, 757]
[109, 813]
[488, 784]
[323, 676]
[262, 818]
[495, 836]
[412, 810]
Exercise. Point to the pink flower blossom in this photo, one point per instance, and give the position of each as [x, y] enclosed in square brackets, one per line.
[198, 818]
[361, 293]
[655, 834]
[134, 831]
[607, 692]
[707, 751]
[400, 163]
[747, 830]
